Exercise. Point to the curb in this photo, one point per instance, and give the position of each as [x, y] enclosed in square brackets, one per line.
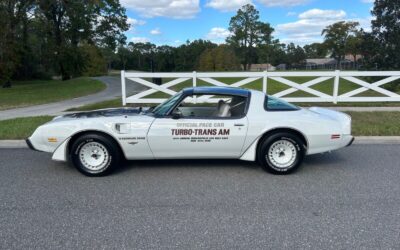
[377, 140]
[360, 140]
[13, 144]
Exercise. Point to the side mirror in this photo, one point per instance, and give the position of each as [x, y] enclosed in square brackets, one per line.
[177, 114]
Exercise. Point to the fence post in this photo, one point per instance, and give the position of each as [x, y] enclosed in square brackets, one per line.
[336, 86]
[265, 82]
[123, 87]
[195, 84]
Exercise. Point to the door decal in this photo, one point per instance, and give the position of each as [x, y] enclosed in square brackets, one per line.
[200, 132]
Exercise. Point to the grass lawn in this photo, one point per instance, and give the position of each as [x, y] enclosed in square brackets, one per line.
[375, 123]
[364, 123]
[21, 128]
[27, 93]
[114, 103]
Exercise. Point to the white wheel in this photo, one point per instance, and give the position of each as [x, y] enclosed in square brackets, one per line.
[94, 156]
[282, 153]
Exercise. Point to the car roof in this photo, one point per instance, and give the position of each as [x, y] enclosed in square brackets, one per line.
[217, 91]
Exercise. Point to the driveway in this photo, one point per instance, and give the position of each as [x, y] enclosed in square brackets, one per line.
[112, 91]
[348, 199]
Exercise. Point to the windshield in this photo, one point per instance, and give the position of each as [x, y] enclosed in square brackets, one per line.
[164, 107]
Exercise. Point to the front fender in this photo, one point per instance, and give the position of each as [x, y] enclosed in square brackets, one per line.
[61, 152]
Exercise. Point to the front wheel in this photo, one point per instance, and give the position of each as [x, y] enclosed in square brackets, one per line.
[95, 155]
[281, 153]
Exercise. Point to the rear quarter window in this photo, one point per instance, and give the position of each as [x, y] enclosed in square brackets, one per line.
[275, 104]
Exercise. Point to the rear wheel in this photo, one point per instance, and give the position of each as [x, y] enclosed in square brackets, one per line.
[281, 153]
[95, 155]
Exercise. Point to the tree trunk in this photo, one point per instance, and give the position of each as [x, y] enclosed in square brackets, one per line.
[355, 61]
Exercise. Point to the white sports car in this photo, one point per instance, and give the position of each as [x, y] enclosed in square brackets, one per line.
[196, 123]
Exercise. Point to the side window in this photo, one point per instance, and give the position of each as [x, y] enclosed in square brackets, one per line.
[212, 106]
[275, 104]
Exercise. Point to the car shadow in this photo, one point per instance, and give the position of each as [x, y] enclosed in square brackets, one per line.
[186, 163]
[311, 161]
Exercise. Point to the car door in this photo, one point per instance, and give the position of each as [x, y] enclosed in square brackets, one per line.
[204, 136]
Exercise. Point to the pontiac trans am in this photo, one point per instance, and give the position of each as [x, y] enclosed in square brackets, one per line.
[196, 123]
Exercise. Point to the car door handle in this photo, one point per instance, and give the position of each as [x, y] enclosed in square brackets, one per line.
[239, 124]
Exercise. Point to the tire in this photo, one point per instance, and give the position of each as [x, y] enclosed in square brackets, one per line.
[281, 153]
[95, 155]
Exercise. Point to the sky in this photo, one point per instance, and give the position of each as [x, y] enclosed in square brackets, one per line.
[172, 22]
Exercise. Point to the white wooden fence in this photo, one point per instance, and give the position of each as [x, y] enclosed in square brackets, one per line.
[281, 77]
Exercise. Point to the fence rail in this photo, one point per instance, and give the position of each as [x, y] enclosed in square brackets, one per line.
[384, 95]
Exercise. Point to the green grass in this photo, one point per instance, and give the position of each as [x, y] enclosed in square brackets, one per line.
[375, 123]
[114, 103]
[27, 93]
[21, 128]
[364, 124]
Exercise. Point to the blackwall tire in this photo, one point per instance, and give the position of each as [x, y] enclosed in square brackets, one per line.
[281, 153]
[95, 155]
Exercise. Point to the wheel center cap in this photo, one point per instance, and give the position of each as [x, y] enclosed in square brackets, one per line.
[95, 156]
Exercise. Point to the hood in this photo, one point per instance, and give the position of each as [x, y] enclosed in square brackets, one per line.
[107, 113]
[112, 112]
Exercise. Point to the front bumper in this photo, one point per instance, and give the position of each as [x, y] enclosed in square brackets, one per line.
[351, 141]
[28, 142]
[30, 145]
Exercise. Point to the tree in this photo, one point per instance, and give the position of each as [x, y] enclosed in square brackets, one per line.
[316, 50]
[354, 44]
[13, 16]
[247, 32]
[100, 22]
[295, 55]
[386, 31]
[370, 51]
[187, 55]
[336, 38]
[221, 58]
[273, 53]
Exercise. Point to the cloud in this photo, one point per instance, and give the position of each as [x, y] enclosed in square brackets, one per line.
[139, 40]
[133, 23]
[291, 13]
[227, 5]
[155, 31]
[311, 23]
[230, 5]
[218, 34]
[283, 3]
[323, 14]
[178, 9]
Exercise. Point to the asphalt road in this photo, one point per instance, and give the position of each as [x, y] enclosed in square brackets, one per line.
[349, 199]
